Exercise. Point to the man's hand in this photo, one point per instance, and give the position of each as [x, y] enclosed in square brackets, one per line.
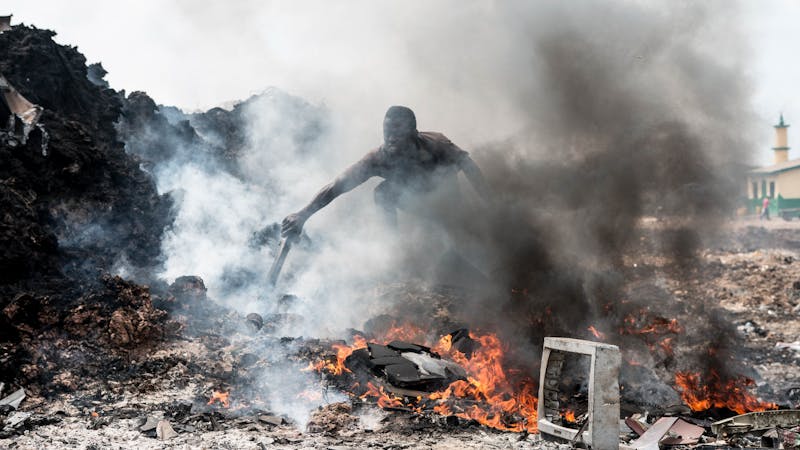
[292, 225]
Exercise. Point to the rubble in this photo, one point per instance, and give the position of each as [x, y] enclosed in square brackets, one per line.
[272, 420]
[15, 420]
[666, 431]
[683, 433]
[14, 399]
[164, 431]
[82, 184]
[149, 424]
[756, 421]
[255, 321]
[790, 345]
[333, 418]
[636, 425]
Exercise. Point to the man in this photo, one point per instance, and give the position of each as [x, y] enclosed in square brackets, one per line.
[412, 164]
[764, 209]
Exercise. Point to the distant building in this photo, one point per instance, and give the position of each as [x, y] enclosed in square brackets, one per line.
[5, 23]
[780, 182]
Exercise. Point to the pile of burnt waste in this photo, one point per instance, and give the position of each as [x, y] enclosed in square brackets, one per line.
[80, 203]
[74, 203]
[405, 366]
[78, 191]
[405, 377]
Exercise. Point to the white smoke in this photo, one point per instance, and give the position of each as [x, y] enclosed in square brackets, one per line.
[217, 215]
[283, 164]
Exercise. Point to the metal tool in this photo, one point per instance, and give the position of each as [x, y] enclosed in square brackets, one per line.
[280, 258]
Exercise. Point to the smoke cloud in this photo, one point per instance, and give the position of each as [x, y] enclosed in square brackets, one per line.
[586, 118]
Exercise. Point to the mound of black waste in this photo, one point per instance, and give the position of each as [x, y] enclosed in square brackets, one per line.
[82, 203]
[74, 203]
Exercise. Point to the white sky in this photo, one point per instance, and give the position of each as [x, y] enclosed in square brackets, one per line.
[200, 54]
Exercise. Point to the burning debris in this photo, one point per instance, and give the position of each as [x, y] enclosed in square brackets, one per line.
[731, 394]
[221, 398]
[461, 399]
[443, 379]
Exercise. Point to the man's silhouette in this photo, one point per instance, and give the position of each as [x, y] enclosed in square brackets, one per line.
[411, 163]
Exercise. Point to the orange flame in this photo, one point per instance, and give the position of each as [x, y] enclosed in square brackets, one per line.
[221, 397]
[498, 403]
[493, 400]
[657, 325]
[666, 345]
[384, 399]
[652, 329]
[719, 393]
[597, 334]
[407, 332]
[342, 352]
[569, 416]
[444, 345]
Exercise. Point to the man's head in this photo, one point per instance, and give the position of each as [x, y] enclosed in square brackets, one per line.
[399, 126]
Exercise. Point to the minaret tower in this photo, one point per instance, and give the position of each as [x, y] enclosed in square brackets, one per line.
[781, 142]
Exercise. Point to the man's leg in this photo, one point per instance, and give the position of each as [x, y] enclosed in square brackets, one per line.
[386, 197]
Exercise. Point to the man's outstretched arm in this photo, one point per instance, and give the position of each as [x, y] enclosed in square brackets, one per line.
[348, 180]
[475, 177]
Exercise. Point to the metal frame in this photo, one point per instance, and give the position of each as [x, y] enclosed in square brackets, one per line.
[602, 431]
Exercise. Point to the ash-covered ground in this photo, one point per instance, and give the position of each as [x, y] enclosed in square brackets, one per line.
[105, 325]
[747, 282]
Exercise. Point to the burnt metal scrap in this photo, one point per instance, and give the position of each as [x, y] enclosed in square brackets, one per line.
[757, 421]
[407, 366]
[603, 391]
[28, 112]
[14, 399]
[666, 431]
[15, 420]
[19, 117]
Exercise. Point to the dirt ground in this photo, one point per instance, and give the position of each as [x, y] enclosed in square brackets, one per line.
[759, 287]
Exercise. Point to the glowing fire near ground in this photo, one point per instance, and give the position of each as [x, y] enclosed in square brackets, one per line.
[337, 367]
[488, 382]
[718, 393]
[596, 333]
[384, 399]
[651, 330]
[488, 396]
[221, 397]
[698, 394]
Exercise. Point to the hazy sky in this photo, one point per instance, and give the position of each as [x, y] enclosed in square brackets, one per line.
[199, 54]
